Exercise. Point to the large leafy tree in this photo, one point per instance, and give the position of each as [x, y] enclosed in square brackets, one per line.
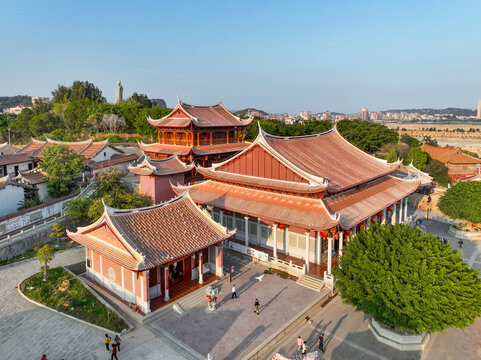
[438, 171]
[462, 201]
[80, 90]
[366, 135]
[418, 157]
[408, 279]
[61, 165]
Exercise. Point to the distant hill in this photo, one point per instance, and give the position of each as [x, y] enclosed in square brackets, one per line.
[11, 101]
[448, 111]
[245, 111]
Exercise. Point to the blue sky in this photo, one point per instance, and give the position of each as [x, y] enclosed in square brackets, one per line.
[280, 56]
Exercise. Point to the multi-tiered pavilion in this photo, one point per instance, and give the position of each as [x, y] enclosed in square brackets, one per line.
[298, 198]
[153, 255]
[200, 134]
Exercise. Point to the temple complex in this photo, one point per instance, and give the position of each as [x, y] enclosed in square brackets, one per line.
[200, 134]
[144, 256]
[296, 199]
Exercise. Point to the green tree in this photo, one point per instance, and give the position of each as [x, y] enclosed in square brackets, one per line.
[75, 115]
[45, 254]
[140, 122]
[429, 141]
[44, 123]
[366, 135]
[462, 201]
[412, 142]
[28, 203]
[78, 211]
[80, 90]
[418, 157]
[61, 165]
[408, 279]
[438, 171]
[141, 99]
[57, 232]
[392, 155]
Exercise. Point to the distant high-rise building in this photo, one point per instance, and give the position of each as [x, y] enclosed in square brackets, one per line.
[364, 114]
[479, 108]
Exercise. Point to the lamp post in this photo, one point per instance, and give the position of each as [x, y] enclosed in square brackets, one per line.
[9, 142]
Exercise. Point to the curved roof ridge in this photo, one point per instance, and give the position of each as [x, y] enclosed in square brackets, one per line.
[89, 141]
[327, 132]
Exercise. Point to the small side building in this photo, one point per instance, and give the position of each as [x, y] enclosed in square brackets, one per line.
[149, 255]
[156, 176]
[11, 193]
[37, 180]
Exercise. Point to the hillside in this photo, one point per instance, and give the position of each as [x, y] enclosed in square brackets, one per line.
[245, 111]
[428, 111]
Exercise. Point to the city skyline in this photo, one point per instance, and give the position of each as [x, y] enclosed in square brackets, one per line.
[271, 56]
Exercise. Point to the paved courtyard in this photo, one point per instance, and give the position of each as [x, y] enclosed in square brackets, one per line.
[234, 329]
[28, 331]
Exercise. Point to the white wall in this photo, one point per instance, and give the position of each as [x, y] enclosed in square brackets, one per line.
[10, 196]
[108, 154]
[21, 167]
[42, 191]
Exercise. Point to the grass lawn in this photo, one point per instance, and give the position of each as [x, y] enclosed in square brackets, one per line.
[64, 293]
[63, 244]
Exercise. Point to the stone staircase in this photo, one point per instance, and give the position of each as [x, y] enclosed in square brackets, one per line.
[311, 281]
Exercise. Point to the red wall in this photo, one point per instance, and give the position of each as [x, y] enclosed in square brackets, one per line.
[158, 187]
[257, 162]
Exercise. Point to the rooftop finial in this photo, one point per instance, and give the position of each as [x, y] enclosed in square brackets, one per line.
[221, 100]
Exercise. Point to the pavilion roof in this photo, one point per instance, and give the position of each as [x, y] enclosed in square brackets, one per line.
[329, 156]
[165, 149]
[449, 155]
[154, 235]
[32, 177]
[185, 115]
[306, 213]
[409, 171]
[147, 166]
[326, 161]
[357, 205]
[186, 150]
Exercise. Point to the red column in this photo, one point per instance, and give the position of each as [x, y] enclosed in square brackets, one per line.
[220, 257]
[198, 139]
[158, 136]
[227, 133]
[238, 133]
[211, 138]
[166, 286]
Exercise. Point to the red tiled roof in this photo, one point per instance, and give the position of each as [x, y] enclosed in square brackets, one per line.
[329, 156]
[306, 213]
[114, 160]
[15, 159]
[32, 146]
[165, 149]
[449, 155]
[259, 182]
[33, 177]
[220, 148]
[147, 166]
[158, 234]
[200, 116]
[356, 205]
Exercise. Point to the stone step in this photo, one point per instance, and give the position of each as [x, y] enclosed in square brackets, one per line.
[311, 282]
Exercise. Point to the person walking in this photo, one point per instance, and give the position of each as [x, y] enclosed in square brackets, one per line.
[44, 357]
[299, 343]
[117, 341]
[256, 306]
[114, 352]
[234, 292]
[107, 341]
[460, 242]
[303, 349]
[320, 342]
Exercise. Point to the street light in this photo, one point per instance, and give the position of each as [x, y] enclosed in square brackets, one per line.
[9, 142]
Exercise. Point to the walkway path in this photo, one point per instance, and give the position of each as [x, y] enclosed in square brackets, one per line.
[28, 331]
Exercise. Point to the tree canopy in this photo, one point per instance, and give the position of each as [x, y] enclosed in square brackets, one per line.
[418, 157]
[462, 201]
[408, 279]
[45, 254]
[438, 171]
[61, 164]
[111, 192]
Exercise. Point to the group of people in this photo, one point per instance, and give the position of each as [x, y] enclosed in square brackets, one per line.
[302, 346]
[108, 341]
[115, 345]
